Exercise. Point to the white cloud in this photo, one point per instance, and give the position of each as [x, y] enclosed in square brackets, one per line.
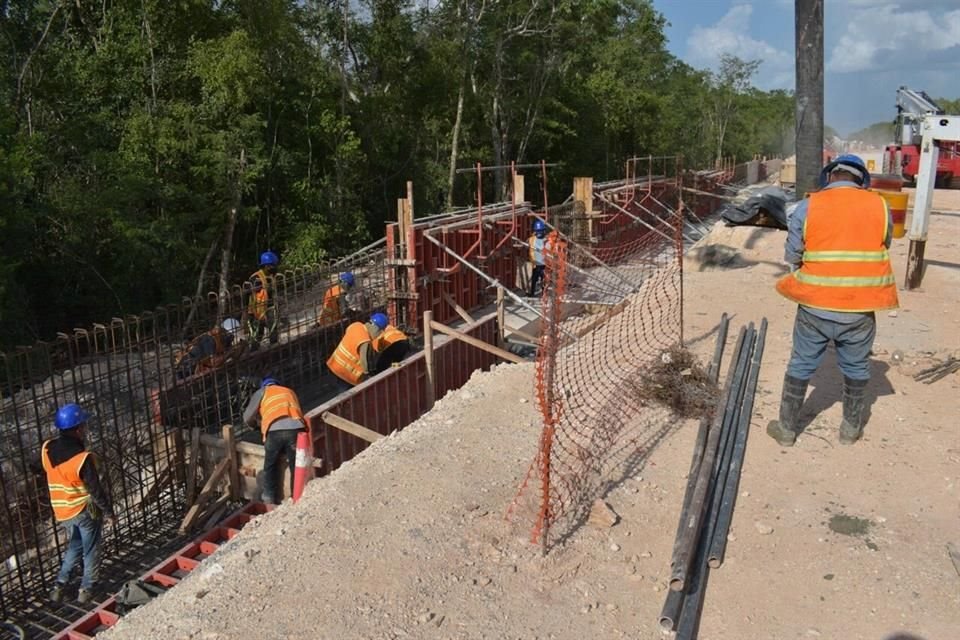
[887, 37]
[731, 35]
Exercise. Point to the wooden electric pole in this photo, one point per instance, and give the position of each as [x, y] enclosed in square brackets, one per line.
[809, 93]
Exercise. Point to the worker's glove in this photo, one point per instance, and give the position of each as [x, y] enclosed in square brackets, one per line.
[395, 365]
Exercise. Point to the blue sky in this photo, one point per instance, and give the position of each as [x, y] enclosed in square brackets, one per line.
[871, 47]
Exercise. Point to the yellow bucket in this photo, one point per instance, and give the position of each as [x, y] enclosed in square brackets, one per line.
[897, 201]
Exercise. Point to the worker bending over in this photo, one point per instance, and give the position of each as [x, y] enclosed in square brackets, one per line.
[335, 301]
[261, 308]
[80, 505]
[837, 244]
[355, 358]
[391, 346]
[208, 350]
[277, 409]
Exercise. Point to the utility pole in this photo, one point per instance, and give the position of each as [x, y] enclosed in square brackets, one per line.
[809, 93]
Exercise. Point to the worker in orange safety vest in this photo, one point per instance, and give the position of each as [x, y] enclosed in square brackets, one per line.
[392, 346]
[277, 409]
[261, 306]
[80, 505]
[355, 358]
[207, 351]
[334, 307]
[837, 247]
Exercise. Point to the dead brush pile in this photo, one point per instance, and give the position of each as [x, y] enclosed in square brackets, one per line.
[677, 381]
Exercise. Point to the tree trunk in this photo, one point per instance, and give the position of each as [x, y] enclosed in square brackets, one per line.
[200, 282]
[455, 142]
[228, 233]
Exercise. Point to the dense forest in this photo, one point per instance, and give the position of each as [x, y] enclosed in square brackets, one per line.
[143, 140]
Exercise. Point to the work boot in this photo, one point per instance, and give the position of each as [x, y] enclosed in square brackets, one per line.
[785, 430]
[56, 594]
[84, 595]
[851, 427]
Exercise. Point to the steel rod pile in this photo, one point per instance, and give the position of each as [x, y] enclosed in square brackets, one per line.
[713, 482]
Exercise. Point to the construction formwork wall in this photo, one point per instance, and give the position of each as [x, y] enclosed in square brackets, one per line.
[394, 399]
[124, 373]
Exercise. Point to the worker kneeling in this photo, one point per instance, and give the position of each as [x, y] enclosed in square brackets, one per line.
[355, 358]
[208, 350]
[837, 244]
[392, 346]
[277, 408]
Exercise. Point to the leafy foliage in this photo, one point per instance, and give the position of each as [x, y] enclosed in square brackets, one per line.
[140, 138]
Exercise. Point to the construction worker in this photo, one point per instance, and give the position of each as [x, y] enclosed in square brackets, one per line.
[80, 505]
[538, 247]
[354, 358]
[391, 346]
[837, 245]
[208, 350]
[335, 300]
[261, 307]
[277, 409]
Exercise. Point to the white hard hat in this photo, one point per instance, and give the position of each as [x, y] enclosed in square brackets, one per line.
[230, 325]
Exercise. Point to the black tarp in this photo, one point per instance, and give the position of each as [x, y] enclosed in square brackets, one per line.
[766, 208]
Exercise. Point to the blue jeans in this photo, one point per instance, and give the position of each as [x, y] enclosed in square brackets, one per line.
[853, 341]
[278, 443]
[83, 540]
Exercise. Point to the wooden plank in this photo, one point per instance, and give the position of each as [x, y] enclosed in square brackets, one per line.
[194, 512]
[163, 478]
[522, 334]
[460, 310]
[501, 322]
[194, 461]
[351, 427]
[231, 455]
[429, 355]
[215, 512]
[479, 344]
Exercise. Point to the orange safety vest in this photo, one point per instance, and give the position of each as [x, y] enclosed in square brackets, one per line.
[345, 362]
[257, 307]
[278, 402]
[390, 336]
[217, 334]
[846, 266]
[330, 313]
[68, 493]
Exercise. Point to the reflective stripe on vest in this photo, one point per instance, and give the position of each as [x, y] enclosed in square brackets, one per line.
[257, 306]
[391, 335]
[68, 493]
[537, 247]
[846, 266]
[330, 313]
[345, 362]
[277, 403]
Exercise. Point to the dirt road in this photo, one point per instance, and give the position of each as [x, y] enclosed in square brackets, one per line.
[409, 540]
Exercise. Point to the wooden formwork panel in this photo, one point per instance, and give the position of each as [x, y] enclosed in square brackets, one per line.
[392, 400]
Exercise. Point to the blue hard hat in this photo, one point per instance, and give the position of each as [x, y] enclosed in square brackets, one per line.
[347, 278]
[268, 381]
[539, 226]
[850, 163]
[381, 320]
[269, 259]
[70, 416]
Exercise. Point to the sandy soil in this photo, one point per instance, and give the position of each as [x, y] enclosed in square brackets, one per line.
[409, 541]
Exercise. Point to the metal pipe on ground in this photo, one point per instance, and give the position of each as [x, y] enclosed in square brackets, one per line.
[718, 545]
[688, 625]
[687, 542]
[671, 608]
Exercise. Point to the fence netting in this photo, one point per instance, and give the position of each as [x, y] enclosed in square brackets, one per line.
[611, 307]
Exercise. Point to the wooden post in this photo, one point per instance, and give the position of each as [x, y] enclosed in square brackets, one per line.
[583, 193]
[231, 451]
[460, 310]
[194, 461]
[428, 357]
[501, 324]
[518, 188]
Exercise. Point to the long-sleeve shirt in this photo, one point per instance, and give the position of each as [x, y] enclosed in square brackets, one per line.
[251, 415]
[793, 251]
